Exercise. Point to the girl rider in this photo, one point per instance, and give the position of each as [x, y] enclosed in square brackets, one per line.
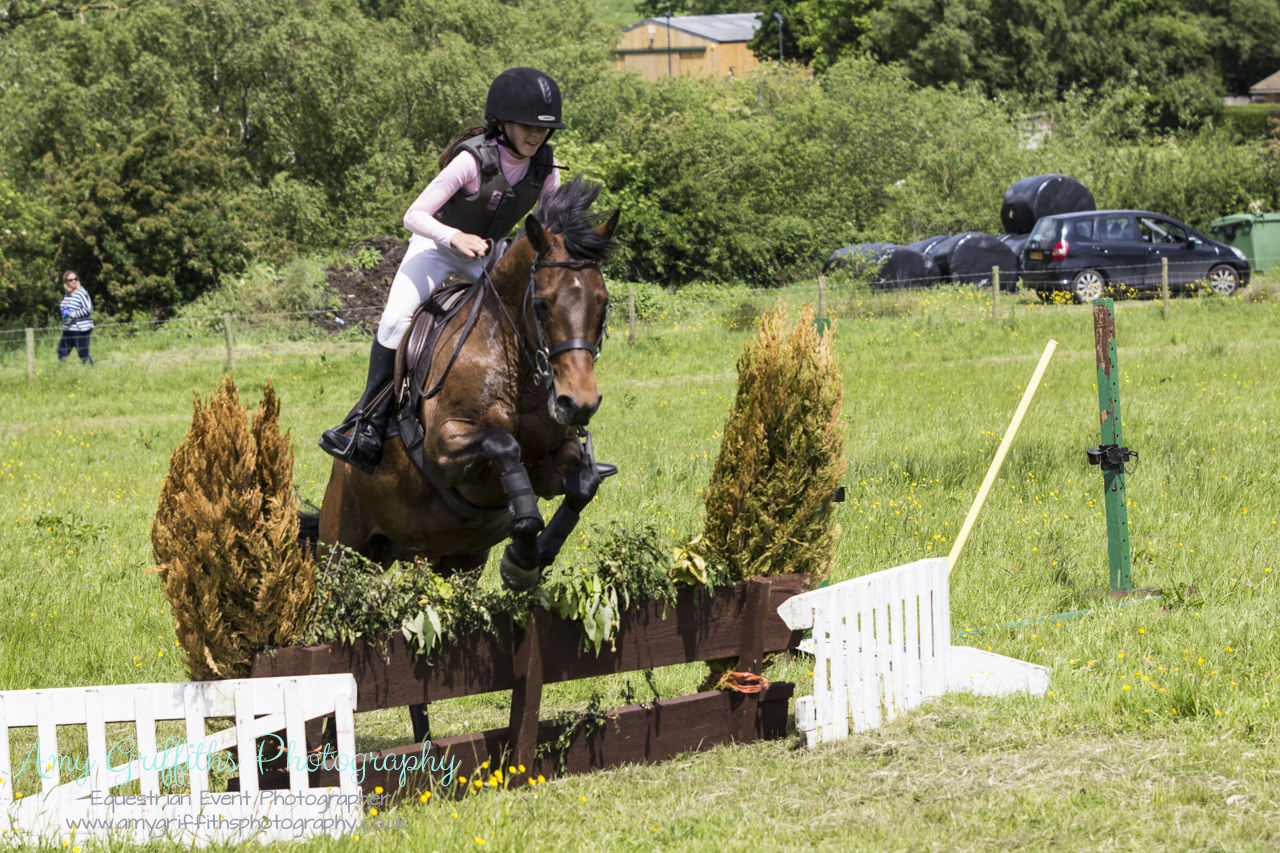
[473, 200]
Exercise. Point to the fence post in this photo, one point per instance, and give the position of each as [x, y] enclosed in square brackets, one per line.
[231, 360]
[526, 690]
[1164, 288]
[995, 293]
[1104, 333]
[31, 353]
[631, 316]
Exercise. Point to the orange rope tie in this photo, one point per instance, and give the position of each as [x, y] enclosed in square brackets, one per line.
[742, 682]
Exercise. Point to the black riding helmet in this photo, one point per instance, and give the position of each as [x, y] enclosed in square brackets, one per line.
[524, 95]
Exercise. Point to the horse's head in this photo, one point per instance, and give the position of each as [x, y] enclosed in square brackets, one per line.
[569, 300]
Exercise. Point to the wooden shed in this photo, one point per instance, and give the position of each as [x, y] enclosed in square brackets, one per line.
[707, 45]
[1266, 90]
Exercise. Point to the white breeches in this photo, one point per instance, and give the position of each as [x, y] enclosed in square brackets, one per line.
[425, 265]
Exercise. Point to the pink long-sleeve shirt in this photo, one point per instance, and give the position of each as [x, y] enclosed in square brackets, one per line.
[462, 174]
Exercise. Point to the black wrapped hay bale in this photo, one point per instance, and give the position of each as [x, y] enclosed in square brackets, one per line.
[857, 259]
[886, 265]
[1043, 195]
[928, 244]
[968, 258]
[1016, 243]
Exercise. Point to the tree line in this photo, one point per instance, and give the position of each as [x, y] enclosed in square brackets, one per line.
[159, 146]
[1178, 57]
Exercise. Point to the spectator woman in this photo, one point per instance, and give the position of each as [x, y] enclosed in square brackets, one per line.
[77, 324]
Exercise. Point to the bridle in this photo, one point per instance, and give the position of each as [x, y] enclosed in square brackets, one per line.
[539, 357]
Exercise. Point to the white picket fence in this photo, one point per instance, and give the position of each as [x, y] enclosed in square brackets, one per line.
[882, 646]
[92, 788]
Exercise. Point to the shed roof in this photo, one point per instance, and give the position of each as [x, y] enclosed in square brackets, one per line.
[1266, 86]
[739, 26]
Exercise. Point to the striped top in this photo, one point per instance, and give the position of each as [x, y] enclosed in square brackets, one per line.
[76, 308]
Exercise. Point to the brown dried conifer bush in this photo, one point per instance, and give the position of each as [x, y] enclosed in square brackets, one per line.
[769, 506]
[225, 537]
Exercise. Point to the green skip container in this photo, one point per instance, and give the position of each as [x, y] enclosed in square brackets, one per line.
[1255, 234]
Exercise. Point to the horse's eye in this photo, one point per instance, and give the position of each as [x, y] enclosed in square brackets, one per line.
[542, 306]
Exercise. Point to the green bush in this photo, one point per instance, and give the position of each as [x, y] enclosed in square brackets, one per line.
[29, 286]
[151, 227]
[1251, 122]
[769, 506]
[264, 289]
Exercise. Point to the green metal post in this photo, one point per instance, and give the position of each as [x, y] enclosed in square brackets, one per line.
[1104, 336]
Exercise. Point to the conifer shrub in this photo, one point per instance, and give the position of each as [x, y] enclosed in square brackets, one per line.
[225, 537]
[769, 506]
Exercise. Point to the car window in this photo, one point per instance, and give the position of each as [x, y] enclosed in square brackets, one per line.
[1161, 230]
[1082, 229]
[1116, 229]
[1045, 229]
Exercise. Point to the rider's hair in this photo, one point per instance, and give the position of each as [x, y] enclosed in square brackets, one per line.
[491, 129]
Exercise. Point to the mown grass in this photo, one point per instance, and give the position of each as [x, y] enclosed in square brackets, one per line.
[1159, 732]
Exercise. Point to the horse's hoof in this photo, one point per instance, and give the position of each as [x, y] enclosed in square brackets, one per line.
[516, 578]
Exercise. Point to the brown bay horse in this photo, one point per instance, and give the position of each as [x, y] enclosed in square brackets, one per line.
[503, 412]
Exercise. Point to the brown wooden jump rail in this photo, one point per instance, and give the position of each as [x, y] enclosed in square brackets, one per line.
[740, 621]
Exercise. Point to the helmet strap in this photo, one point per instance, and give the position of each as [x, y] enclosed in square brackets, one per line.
[510, 146]
[504, 140]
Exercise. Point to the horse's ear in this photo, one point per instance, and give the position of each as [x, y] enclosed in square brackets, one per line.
[606, 229]
[537, 237]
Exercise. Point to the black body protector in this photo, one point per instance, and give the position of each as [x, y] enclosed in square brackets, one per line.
[495, 208]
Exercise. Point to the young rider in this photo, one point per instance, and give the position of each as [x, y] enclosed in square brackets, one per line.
[490, 178]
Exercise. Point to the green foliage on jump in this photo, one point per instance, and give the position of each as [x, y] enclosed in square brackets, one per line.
[356, 598]
[225, 537]
[769, 507]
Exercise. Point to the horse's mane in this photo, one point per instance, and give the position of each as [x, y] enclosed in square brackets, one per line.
[565, 212]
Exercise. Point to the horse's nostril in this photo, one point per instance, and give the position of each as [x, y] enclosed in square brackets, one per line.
[573, 412]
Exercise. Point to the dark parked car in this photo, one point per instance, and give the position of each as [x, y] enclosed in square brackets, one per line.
[1099, 252]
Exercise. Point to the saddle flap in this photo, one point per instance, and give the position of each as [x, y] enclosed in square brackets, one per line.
[413, 356]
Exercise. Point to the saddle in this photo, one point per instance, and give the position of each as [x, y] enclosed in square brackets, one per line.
[416, 351]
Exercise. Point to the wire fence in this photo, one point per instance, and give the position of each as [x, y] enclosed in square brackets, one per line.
[637, 312]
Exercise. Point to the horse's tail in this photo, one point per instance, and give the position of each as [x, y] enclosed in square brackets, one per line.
[309, 527]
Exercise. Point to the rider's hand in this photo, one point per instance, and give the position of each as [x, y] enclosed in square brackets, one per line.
[470, 245]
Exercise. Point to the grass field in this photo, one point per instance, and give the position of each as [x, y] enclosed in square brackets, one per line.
[1160, 728]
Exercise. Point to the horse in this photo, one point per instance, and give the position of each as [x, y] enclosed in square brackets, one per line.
[500, 418]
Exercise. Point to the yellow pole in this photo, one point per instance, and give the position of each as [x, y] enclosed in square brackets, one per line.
[1000, 454]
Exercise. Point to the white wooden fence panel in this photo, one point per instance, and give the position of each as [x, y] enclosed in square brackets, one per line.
[869, 682]
[882, 646]
[76, 788]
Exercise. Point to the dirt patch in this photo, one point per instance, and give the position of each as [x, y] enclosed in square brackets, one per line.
[359, 290]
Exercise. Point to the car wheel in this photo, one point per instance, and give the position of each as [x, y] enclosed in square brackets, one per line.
[1223, 280]
[1088, 285]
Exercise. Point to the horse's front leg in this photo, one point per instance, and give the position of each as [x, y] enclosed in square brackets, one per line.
[581, 481]
[519, 565]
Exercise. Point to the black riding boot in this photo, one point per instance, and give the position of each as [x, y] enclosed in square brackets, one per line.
[363, 447]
